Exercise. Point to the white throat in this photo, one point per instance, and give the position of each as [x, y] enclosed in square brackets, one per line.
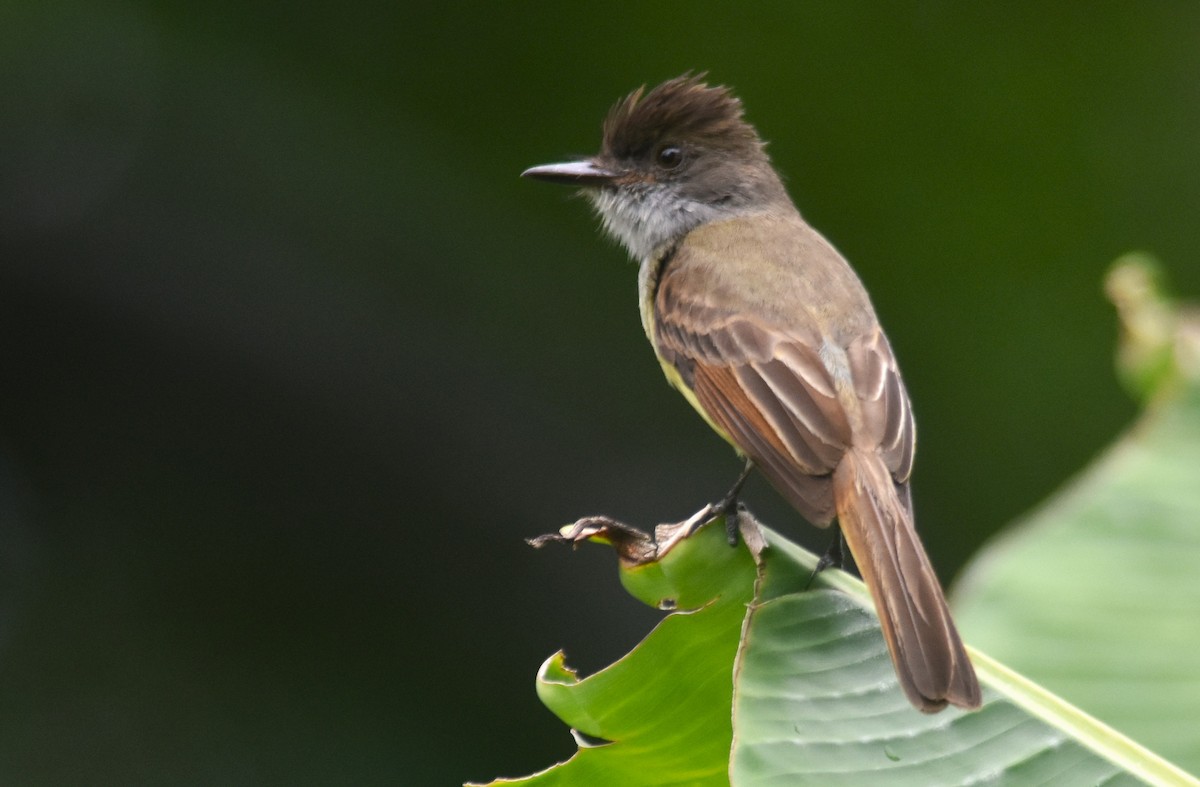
[647, 219]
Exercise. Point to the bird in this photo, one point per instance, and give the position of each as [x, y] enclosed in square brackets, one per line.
[771, 336]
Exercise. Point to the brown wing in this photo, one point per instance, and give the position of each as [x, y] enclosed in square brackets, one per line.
[886, 412]
[768, 387]
[828, 422]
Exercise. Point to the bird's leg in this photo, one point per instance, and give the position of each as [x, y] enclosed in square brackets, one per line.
[729, 502]
[834, 556]
[733, 523]
[728, 507]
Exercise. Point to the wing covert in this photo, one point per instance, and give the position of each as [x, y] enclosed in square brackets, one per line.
[767, 387]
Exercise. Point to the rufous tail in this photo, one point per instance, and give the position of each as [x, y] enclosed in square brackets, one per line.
[928, 654]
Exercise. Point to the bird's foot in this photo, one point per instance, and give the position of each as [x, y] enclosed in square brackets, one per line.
[728, 508]
[834, 556]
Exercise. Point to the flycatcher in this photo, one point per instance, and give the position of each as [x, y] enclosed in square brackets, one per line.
[768, 332]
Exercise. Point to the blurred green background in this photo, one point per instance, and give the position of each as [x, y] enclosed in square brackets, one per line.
[293, 360]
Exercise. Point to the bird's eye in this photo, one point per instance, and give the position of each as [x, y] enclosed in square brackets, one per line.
[670, 156]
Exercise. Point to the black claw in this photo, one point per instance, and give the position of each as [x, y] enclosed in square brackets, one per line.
[834, 556]
[730, 508]
[733, 524]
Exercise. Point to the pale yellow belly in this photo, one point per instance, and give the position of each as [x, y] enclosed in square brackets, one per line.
[647, 278]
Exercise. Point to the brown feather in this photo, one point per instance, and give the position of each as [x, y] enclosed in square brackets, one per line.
[811, 495]
[928, 654]
[771, 335]
[883, 403]
[684, 107]
[836, 438]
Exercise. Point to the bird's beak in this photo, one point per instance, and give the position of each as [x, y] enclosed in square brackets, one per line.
[572, 173]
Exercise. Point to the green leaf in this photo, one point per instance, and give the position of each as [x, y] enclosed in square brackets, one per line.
[665, 705]
[1155, 351]
[830, 713]
[817, 702]
[764, 681]
[796, 688]
[1096, 594]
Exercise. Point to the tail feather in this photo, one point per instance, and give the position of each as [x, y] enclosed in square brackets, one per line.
[928, 654]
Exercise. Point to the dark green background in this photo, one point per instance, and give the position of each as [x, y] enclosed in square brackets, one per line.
[292, 360]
